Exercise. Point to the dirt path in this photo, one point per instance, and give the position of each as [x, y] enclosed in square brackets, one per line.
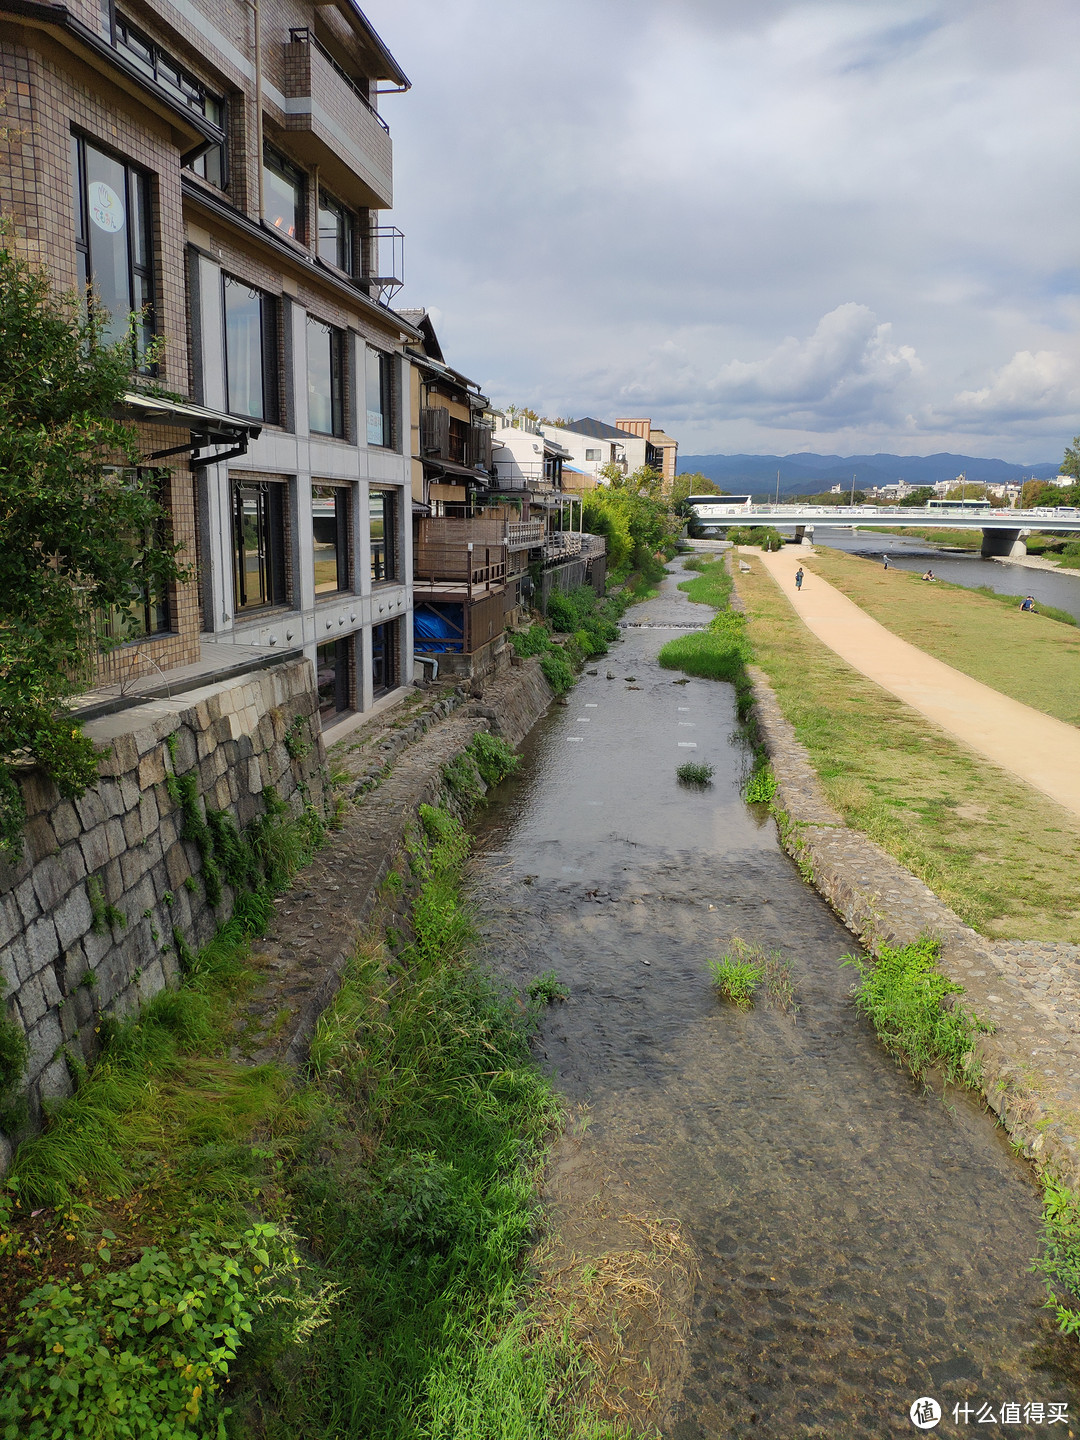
[1036, 748]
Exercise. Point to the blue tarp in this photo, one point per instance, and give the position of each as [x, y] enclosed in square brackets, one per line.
[438, 629]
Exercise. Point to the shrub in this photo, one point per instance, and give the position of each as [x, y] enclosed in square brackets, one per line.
[694, 774]
[763, 535]
[558, 671]
[142, 1351]
[533, 641]
[737, 973]
[494, 758]
[902, 993]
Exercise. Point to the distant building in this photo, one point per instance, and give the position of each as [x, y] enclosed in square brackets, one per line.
[666, 449]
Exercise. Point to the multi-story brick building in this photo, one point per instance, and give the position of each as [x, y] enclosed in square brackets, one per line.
[219, 166]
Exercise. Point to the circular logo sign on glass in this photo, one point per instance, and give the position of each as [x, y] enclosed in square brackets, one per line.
[106, 207]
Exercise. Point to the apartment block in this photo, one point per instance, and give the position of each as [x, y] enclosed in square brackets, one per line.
[220, 167]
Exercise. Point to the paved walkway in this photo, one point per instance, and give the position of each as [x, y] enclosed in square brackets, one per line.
[1036, 748]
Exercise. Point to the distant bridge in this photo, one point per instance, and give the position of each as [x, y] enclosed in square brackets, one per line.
[1003, 530]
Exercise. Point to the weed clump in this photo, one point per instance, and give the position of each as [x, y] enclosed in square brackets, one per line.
[695, 774]
[903, 994]
[719, 652]
[738, 972]
[761, 786]
[546, 989]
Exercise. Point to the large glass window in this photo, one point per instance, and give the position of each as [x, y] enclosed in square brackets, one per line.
[336, 233]
[382, 520]
[330, 537]
[259, 544]
[384, 659]
[250, 351]
[380, 426]
[283, 194]
[333, 676]
[148, 613]
[114, 239]
[326, 378]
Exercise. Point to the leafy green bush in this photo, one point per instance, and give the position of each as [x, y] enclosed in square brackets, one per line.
[494, 758]
[143, 1351]
[694, 774]
[762, 535]
[558, 671]
[1059, 1263]
[533, 641]
[902, 993]
[738, 972]
[761, 786]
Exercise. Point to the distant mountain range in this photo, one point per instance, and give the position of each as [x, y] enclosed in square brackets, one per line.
[809, 474]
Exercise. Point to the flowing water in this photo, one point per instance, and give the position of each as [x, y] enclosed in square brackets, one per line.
[1058, 588]
[861, 1243]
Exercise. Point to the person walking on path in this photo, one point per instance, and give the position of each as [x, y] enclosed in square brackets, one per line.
[798, 578]
[885, 558]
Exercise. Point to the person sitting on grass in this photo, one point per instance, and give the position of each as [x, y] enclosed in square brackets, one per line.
[929, 575]
[1028, 603]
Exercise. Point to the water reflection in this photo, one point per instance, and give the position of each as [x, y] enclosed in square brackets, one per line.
[860, 1243]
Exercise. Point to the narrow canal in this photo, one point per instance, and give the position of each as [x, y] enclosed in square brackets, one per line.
[860, 1243]
[1059, 588]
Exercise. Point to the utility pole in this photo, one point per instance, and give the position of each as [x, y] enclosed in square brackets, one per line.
[778, 487]
[853, 491]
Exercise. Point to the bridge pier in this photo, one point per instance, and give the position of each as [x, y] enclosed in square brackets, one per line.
[1002, 542]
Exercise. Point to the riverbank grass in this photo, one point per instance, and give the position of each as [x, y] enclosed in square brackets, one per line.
[250, 1252]
[1002, 855]
[1031, 658]
[903, 994]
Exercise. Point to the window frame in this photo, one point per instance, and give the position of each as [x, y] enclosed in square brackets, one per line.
[338, 417]
[268, 350]
[341, 495]
[164, 602]
[387, 411]
[345, 238]
[270, 522]
[137, 183]
[391, 654]
[388, 545]
[280, 165]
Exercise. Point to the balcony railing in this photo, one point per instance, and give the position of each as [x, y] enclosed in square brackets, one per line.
[472, 565]
[332, 124]
[562, 545]
[302, 35]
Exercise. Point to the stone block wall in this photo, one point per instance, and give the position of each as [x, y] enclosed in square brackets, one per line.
[120, 846]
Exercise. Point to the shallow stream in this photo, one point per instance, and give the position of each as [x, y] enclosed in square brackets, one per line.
[861, 1243]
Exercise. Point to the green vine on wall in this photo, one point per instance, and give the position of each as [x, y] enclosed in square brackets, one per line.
[105, 914]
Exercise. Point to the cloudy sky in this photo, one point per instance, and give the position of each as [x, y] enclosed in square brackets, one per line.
[770, 225]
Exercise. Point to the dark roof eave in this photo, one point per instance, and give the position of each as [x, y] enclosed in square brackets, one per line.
[356, 17]
[41, 12]
[222, 210]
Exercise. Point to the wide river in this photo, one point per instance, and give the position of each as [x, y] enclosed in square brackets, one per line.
[1060, 588]
[861, 1242]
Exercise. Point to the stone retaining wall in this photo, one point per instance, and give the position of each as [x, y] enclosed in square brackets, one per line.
[66, 960]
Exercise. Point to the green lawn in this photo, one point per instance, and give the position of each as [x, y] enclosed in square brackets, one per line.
[1001, 854]
[1032, 658]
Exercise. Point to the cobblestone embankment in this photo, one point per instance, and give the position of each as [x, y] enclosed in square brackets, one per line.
[1029, 990]
[317, 925]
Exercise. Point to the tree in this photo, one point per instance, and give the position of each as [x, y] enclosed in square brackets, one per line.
[683, 486]
[919, 496]
[1071, 464]
[969, 490]
[81, 530]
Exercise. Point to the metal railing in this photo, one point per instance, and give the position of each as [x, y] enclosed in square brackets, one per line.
[303, 36]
